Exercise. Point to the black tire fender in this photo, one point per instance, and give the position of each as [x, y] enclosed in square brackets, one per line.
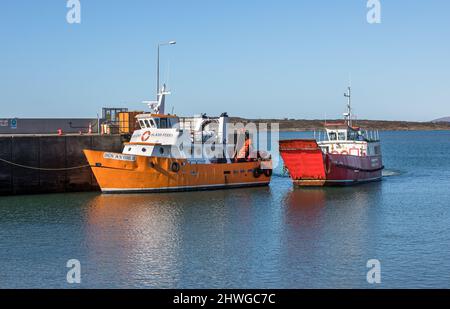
[175, 167]
[268, 173]
[257, 172]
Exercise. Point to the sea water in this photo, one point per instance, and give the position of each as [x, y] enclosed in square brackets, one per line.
[274, 237]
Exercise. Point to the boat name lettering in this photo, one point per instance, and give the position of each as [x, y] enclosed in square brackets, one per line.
[120, 157]
[157, 134]
[163, 134]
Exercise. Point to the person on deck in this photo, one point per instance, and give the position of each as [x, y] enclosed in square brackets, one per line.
[244, 152]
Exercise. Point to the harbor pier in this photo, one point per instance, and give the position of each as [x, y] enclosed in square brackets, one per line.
[35, 164]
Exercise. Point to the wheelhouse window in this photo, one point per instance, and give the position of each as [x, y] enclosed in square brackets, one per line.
[332, 136]
[352, 135]
[163, 123]
[172, 122]
[341, 136]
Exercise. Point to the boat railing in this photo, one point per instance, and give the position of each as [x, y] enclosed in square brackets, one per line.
[372, 135]
[320, 135]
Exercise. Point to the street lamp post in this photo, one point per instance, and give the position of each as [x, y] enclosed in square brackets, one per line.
[157, 69]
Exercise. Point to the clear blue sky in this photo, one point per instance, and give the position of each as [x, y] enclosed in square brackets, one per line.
[251, 58]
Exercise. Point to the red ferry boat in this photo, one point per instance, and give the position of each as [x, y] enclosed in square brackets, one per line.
[346, 155]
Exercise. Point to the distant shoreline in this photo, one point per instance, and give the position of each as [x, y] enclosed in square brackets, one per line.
[382, 125]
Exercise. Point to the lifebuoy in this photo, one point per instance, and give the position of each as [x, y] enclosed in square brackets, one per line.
[268, 173]
[145, 136]
[256, 173]
[344, 152]
[175, 167]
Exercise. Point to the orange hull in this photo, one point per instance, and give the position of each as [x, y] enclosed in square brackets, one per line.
[118, 173]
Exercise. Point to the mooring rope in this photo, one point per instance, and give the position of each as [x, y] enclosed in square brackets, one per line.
[44, 169]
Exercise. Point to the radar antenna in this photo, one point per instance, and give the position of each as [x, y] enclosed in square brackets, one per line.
[348, 114]
[158, 106]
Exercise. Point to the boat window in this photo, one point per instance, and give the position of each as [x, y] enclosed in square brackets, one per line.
[341, 136]
[157, 122]
[142, 124]
[147, 124]
[163, 123]
[377, 150]
[152, 122]
[352, 135]
[173, 122]
[332, 136]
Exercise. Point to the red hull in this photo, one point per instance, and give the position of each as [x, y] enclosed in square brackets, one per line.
[309, 166]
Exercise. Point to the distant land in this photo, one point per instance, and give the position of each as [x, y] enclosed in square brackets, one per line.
[382, 125]
[445, 119]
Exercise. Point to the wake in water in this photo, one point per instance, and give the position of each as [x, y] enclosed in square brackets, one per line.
[391, 173]
[280, 172]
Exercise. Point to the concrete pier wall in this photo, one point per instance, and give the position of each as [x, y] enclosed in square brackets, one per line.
[50, 152]
[48, 126]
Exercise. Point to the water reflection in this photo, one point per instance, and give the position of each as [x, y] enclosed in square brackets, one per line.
[135, 235]
[324, 228]
[256, 237]
[304, 205]
[181, 239]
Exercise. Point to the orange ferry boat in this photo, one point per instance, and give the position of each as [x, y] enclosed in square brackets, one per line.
[168, 153]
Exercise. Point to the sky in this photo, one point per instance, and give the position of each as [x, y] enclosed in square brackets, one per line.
[252, 58]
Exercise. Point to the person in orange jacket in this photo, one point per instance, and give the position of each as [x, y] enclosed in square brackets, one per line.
[244, 152]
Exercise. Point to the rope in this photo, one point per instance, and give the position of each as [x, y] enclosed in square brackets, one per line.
[44, 169]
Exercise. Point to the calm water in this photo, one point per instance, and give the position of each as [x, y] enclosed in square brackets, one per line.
[275, 237]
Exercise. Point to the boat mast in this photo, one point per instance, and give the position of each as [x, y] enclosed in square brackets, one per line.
[158, 107]
[161, 92]
[348, 115]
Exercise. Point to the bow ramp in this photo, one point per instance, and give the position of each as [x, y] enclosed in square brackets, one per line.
[304, 160]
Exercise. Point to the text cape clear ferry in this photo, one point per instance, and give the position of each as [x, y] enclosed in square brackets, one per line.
[160, 157]
[347, 155]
